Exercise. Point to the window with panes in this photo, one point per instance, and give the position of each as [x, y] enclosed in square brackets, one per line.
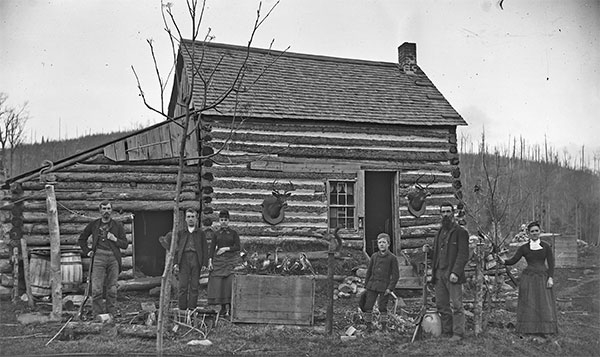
[342, 204]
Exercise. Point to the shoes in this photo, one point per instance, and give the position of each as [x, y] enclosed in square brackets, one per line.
[455, 338]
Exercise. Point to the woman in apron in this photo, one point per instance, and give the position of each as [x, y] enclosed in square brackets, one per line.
[224, 257]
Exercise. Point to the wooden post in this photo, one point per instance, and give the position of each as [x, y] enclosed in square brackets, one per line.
[15, 261]
[479, 288]
[26, 272]
[330, 269]
[55, 277]
[335, 245]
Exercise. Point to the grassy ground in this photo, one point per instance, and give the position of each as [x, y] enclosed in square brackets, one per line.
[579, 326]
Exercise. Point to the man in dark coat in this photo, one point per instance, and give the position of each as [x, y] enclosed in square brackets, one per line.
[450, 255]
[108, 238]
[191, 254]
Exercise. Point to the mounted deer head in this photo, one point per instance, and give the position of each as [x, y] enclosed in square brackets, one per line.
[417, 195]
[273, 207]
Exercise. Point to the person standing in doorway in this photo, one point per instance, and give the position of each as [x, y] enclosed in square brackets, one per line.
[191, 255]
[224, 257]
[450, 255]
[108, 238]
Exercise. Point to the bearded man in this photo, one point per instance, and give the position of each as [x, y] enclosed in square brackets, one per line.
[450, 255]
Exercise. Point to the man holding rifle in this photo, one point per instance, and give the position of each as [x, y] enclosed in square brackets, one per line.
[108, 238]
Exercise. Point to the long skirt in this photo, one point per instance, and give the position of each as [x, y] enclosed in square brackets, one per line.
[536, 311]
[219, 290]
[220, 279]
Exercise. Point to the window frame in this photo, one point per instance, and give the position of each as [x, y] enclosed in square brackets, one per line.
[353, 206]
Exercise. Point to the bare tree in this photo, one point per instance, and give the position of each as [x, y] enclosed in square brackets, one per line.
[202, 74]
[12, 132]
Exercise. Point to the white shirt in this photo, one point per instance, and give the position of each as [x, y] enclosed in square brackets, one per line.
[535, 244]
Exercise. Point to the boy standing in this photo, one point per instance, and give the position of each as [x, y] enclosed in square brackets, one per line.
[380, 281]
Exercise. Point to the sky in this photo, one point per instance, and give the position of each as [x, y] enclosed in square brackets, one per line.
[512, 69]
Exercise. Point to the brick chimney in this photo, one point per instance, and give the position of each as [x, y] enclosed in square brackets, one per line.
[407, 57]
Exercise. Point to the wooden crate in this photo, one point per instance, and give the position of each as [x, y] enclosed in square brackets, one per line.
[564, 247]
[273, 299]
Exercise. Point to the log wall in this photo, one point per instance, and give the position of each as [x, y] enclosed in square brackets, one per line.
[309, 154]
[241, 176]
[79, 189]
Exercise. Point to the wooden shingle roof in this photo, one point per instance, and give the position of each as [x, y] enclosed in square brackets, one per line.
[311, 87]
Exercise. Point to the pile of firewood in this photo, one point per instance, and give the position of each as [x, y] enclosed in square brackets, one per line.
[350, 286]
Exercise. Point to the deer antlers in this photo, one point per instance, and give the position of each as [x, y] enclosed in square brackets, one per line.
[286, 192]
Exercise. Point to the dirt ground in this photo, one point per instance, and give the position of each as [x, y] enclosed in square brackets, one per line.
[578, 301]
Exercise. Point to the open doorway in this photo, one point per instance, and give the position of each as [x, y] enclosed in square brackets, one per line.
[378, 208]
[149, 255]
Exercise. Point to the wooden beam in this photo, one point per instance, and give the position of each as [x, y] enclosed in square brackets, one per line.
[55, 274]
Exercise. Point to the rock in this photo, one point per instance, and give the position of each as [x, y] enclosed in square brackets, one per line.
[32, 318]
[5, 292]
[104, 318]
[76, 300]
[344, 288]
[588, 272]
[154, 291]
[361, 272]
[148, 306]
[200, 343]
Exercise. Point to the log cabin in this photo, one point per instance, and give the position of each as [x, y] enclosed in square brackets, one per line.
[293, 145]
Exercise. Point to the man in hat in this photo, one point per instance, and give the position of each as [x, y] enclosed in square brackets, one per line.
[108, 238]
[450, 255]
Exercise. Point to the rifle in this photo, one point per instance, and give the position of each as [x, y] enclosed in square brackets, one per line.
[88, 288]
[419, 318]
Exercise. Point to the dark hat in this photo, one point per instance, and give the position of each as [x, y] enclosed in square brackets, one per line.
[224, 214]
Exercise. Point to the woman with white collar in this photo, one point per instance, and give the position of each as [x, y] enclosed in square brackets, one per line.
[536, 311]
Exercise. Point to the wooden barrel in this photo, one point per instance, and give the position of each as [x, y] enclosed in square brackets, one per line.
[39, 268]
[71, 271]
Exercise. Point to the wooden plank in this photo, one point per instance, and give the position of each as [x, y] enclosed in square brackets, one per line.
[273, 299]
[109, 152]
[143, 145]
[266, 165]
[120, 153]
[132, 150]
[165, 138]
[175, 132]
[191, 146]
[154, 151]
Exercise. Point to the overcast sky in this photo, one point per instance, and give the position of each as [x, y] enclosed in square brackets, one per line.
[530, 69]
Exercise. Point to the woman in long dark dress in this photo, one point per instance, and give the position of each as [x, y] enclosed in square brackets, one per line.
[536, 311]
[224, 256]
